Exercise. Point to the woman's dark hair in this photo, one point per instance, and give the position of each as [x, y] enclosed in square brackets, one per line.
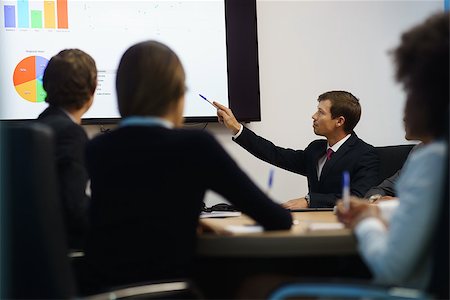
[422, 67]
[150, 78]
[70, 79]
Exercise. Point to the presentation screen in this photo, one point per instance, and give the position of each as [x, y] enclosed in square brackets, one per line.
[33, 31]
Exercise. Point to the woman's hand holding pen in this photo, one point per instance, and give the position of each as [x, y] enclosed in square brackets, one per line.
[359, 209]
[227, 118]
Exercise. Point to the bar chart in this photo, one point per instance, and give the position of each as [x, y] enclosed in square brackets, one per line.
[36, 14]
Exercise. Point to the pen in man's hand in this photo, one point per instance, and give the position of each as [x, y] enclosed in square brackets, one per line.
[346, 190]
[207, 100]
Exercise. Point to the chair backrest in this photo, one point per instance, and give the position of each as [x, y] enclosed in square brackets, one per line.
[343, 290]
[392, 159]
[34, 250]
[169, 289]
[34, 255]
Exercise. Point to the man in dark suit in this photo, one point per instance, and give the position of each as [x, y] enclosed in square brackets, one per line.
[323, 161]
[70, 80]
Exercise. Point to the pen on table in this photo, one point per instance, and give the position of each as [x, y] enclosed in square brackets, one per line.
[346, 190]
[207, 100]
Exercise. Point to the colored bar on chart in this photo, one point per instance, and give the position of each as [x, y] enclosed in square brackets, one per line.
[23, 14]
[36, 19]
[10, 16]
[49, 14]
[63, 19]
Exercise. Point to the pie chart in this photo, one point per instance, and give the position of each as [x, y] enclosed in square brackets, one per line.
[28, 78]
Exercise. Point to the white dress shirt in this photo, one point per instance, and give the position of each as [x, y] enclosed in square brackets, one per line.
[335, 148]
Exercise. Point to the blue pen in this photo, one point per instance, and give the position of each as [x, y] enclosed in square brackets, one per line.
[346, 190]
[207, 100]
[270, 182]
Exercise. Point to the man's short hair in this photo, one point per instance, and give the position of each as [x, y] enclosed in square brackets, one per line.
[422, 67]
[70, 79]
[149, 79]
[343, 104]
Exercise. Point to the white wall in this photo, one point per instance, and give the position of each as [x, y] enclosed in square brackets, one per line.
[309, 47]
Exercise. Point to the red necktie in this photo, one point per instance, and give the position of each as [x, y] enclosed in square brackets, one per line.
[329, 153]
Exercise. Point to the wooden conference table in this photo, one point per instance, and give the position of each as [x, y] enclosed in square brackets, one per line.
[312, 248]
[313, 233]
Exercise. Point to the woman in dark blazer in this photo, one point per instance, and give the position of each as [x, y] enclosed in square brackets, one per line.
[149, 177]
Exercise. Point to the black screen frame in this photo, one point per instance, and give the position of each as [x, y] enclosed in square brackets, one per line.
[242, 64]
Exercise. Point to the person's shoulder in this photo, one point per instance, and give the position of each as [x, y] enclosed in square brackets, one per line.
[51, 112]
[361, 143]
[55, 118]
[62, 126]
[435, 149]
[195, 136]
[432, 156]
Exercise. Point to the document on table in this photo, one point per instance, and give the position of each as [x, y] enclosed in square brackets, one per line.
[325, 226]
[220, 214]
[244, 228]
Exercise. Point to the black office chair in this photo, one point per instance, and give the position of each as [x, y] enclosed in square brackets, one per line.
[392, 159]
[343, 290]
[171, 289]
[34, 255]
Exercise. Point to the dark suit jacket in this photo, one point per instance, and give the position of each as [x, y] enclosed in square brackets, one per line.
[70, 141]
[355, 156]
[148, 185]
[385, 188]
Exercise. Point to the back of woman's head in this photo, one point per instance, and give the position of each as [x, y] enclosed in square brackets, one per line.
[150, 78]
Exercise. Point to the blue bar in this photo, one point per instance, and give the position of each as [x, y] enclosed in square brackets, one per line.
[447, 5]
[23, 14]
[10, 16]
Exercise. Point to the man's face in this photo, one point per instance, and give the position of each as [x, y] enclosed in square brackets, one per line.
[323, 123]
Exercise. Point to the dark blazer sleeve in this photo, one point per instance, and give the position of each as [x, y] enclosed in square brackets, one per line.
[228, 180]
[73, 177]
[288, 159]
[386, 188]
